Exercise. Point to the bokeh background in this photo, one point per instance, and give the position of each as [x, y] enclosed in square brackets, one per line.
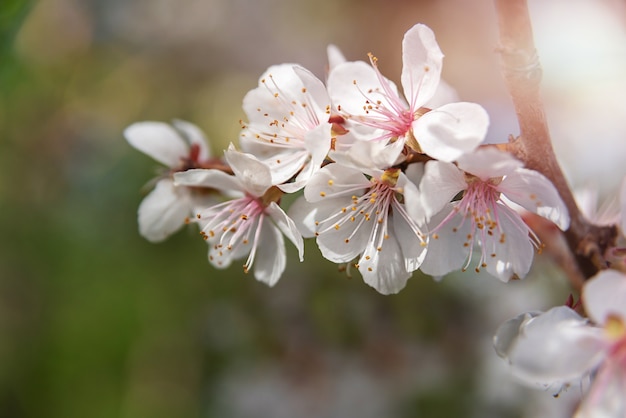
[97, 322]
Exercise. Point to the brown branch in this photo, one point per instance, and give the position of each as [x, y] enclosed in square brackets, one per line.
[522, 74]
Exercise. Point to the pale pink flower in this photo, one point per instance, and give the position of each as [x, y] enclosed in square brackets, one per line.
[363, 96]
[179, 146]
[558, 347]
[481, 218]
[252, 224]
[288, 125]
[357, 215]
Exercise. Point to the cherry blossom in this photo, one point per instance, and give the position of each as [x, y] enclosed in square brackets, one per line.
[179, 146]
[251, 223]
[352, 215]
[288, 125]
[559, 347]
[483, 218]
[363, 96]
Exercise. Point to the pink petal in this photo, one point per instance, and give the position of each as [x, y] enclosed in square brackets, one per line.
[487, 163]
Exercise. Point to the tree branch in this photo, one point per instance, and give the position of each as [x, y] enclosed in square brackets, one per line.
[522, 74]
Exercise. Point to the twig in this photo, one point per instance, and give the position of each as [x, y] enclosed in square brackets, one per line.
[522, 74]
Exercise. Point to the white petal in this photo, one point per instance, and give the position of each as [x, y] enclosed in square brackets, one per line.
[486, 163]
[413, 249]
[440, 183]
[340, 243]
[163, 211]
[452, 130]
[254, 176]
[316, 93]
[349, 97]
[446, 251]
[286, 226]
[421, 65]
[413, 204]
[552, 348]
[606, 398]
[158, 140]
[535, 193]
[335, 56]
[214, 179]
[384, 270]
[444, 94]
[304, 215]
[605, 295]
[512, 255]
[270, 260]
[372, 154]
[195, 136]
[335, 180]
[317, 142]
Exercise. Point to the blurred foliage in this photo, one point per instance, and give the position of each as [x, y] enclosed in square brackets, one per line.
[95, 321]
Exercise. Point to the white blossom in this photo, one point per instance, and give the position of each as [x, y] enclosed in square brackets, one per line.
[363, 96]
[179, 146]
[352, 215]
[251, 224]
[559, 347]
[480, 218]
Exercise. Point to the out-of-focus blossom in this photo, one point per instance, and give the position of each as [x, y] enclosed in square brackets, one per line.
[480, 218]
[252, 224]
[559, 347]
[179, 147]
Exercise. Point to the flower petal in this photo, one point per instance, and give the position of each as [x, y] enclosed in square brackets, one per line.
[270, 259]
[451, 130]
[510, 253]
[163, 211]
[304, 214]
[335, 180]
[446, 250]
[349, 84]
[384, 268]
[194, 136]
[535, 193]
[158, 140]
[605, 295]
[413, 249]
[286, 226]
[255, 177]
[213, 179]
[335, 56]
[552, 348]
[440, 183]
[421, 65]
[606, 397]
[487, 163]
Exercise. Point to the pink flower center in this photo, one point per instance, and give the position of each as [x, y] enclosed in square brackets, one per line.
[482, 207]
[233, 229]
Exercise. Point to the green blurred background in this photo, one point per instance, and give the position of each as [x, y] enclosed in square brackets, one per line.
[97, 322]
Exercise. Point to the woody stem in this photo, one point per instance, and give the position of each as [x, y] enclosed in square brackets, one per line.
[522, 74]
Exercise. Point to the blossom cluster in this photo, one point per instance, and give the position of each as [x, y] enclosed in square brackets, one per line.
[388, 180]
